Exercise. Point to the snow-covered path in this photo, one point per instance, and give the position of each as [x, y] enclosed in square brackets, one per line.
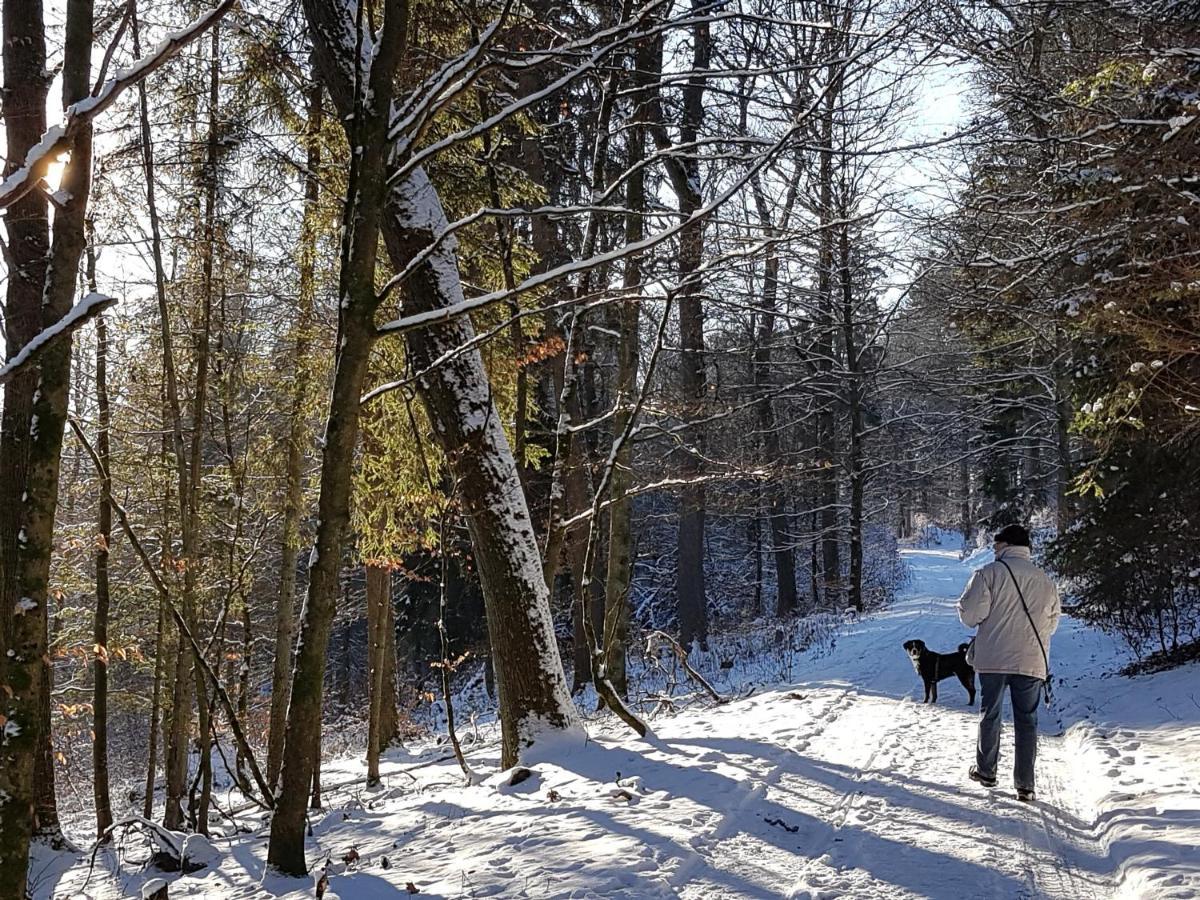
[873, 782]
[859, 790]
[839, 785]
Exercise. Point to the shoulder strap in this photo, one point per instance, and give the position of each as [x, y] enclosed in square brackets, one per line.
[1028, 615]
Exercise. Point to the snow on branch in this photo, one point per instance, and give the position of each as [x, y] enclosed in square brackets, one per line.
[399, 174]
[453, 310]
[59, 138]
[91, 305]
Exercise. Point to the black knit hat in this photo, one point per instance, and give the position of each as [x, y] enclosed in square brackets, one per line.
[1014, 535]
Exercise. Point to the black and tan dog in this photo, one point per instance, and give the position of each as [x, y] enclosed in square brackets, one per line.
[933, 667]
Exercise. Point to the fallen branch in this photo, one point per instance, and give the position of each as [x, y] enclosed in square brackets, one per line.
[661, 637]
[170, 857]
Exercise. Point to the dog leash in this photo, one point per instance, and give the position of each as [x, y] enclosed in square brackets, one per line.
[1036, 634]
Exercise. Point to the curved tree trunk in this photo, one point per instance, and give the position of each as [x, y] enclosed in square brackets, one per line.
[530, 683]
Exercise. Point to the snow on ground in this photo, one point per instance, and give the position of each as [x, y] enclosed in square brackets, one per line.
[839, 785]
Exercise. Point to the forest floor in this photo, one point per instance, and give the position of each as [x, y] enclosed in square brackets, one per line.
[841, 784]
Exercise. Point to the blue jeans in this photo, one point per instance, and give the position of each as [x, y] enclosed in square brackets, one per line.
[1026, 692]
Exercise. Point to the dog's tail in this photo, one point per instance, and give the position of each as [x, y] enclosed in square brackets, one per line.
[962, 648]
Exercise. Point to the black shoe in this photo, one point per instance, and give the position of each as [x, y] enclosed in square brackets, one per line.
[1026, 796]
[975, 775]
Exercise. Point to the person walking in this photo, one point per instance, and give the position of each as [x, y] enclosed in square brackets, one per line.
[1015, 605]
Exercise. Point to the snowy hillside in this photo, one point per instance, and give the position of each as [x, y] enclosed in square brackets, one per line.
[838, 785]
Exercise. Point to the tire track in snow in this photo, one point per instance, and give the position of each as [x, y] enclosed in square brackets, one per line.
[831, 817]
[885, 742]
[1052, 871]
[733, 821]
[807, 883]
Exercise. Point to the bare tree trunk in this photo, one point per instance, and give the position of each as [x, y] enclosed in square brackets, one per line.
[22, 637]
[692, 600]
[41, 285]
[104, 816]
[964, 499]
[199, 401]
[831, 564]
[48, 828]
[1063, 414]
[243, 682]
[785, 561]
[314, 799]
[155, 710]
[531, 686]
[379, 580]
[578, 498]
[285, 617]
[619, 577]
[777, 499]
[684, 171]
[179, 721]
[854, 402]
[366, 113]
[389, 717]
[504, 237]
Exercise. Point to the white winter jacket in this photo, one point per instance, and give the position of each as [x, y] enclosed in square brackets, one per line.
[1005, 642]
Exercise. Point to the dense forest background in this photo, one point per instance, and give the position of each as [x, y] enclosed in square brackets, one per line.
[545, 329]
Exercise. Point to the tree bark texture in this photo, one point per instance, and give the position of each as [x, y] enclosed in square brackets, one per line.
[100, 791]
[366, 115]
[285, 608]
[854, 402]
[41, 285]
[530, 683]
